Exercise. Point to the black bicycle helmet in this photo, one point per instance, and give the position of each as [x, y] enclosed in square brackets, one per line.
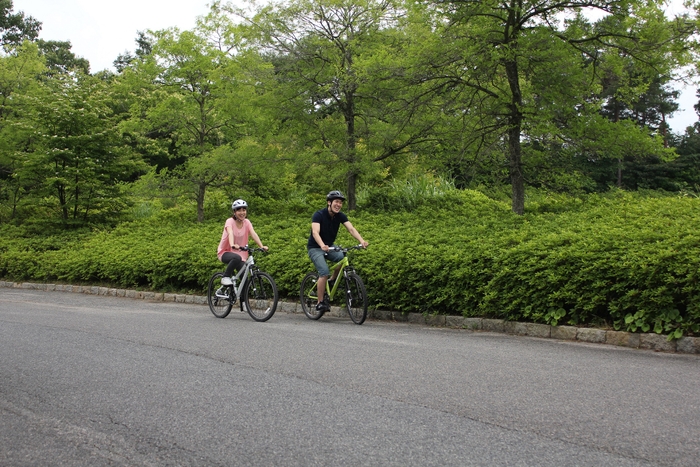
[335, 194]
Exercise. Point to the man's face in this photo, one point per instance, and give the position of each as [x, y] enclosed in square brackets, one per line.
[336, 205]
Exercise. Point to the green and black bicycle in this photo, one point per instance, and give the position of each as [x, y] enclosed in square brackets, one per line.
[347, 282]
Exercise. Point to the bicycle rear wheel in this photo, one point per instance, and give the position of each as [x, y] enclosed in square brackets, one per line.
[220, 304]
[260, 296]
[309, 296]
[356, 298]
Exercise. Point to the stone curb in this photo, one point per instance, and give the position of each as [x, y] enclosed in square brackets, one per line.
[646, 341]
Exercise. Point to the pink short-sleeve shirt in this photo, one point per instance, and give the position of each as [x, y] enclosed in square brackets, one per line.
[240, 237]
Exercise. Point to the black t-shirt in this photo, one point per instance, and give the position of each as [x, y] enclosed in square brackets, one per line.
[329, 227]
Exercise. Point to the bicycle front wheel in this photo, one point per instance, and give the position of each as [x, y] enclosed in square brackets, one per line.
[219, 296]
[261, 296]
[309, 296]
[356, 298]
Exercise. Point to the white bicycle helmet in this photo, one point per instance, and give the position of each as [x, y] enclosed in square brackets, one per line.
[238, 204]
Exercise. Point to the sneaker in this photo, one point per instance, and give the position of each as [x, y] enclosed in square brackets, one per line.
[321, 307]
[226, 281]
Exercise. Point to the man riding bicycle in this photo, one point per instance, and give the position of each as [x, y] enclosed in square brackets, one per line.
[324, 229]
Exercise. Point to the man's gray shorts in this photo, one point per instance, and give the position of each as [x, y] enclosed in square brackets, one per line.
[319, 257]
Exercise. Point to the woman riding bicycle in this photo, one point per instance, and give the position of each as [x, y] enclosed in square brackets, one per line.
[324, 229]
[235, 235]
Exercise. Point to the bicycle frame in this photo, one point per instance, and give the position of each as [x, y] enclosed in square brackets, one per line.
[240, 279]
[345, 268]
[344, 264]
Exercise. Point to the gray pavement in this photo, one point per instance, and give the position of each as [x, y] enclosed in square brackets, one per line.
[100, 380]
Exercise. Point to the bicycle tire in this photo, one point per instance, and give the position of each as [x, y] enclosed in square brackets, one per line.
[309, 296]
[260, 296]
[220, 307]
[356, 298]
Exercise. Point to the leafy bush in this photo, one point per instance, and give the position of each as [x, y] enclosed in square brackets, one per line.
[628, 261]
[406, 195]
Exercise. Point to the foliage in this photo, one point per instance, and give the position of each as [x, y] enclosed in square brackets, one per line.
[499, 62]
[407, 195]
[60, 59]
[76, 160]
[296, 98]
[624, 260]
[407, 104]
[15, 28]
[343, 105]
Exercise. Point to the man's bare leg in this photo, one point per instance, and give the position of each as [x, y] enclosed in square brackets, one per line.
[334, 275]
[321, 287]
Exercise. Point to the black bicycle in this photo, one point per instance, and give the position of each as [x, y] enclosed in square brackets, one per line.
[256, 291]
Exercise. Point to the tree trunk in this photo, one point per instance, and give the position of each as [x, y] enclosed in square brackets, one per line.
[201, 189]
[619, 173]
[515, 119]
[517, 181]
[62, 201]
[351, 146]
[352, 194]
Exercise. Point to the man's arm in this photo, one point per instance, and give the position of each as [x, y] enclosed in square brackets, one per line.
[353, 231]
[316, 233]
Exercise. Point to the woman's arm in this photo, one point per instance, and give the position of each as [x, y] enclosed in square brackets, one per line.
[256, 238]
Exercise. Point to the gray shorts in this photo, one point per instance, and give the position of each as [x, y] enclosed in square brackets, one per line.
[319, 257]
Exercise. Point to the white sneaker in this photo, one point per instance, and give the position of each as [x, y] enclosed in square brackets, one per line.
[226, 281]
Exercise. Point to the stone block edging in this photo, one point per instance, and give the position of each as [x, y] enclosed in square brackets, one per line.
[647, 341]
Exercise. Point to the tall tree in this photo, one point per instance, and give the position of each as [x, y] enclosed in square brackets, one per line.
[530, 65]
[144, 47]
[15, 28]
[19, 72]
[338, 64]
[201, 99]
[61, 59]
[77, 160]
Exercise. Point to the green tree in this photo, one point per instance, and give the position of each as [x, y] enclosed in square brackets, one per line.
[77, 160]
[527, 71]
[19, 73]
[61, 59]
[15, 28]
[144, 47]
[200, 97]
[183, 69]
[341, 95]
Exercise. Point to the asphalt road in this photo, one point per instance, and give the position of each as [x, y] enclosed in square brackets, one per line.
[90, 380]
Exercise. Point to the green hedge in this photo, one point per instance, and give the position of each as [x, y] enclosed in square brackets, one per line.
[628, 261]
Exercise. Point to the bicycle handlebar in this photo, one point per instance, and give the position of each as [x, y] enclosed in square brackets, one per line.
[345, 250]
[252, 249]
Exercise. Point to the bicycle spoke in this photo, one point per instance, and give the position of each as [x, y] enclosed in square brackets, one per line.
[261, 296]
[309, 296]
[356, 298]
[219, 297]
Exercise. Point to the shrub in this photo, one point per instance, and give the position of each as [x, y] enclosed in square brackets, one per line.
[628, 261]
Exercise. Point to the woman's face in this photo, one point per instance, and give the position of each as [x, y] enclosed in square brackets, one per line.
[240, 213]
